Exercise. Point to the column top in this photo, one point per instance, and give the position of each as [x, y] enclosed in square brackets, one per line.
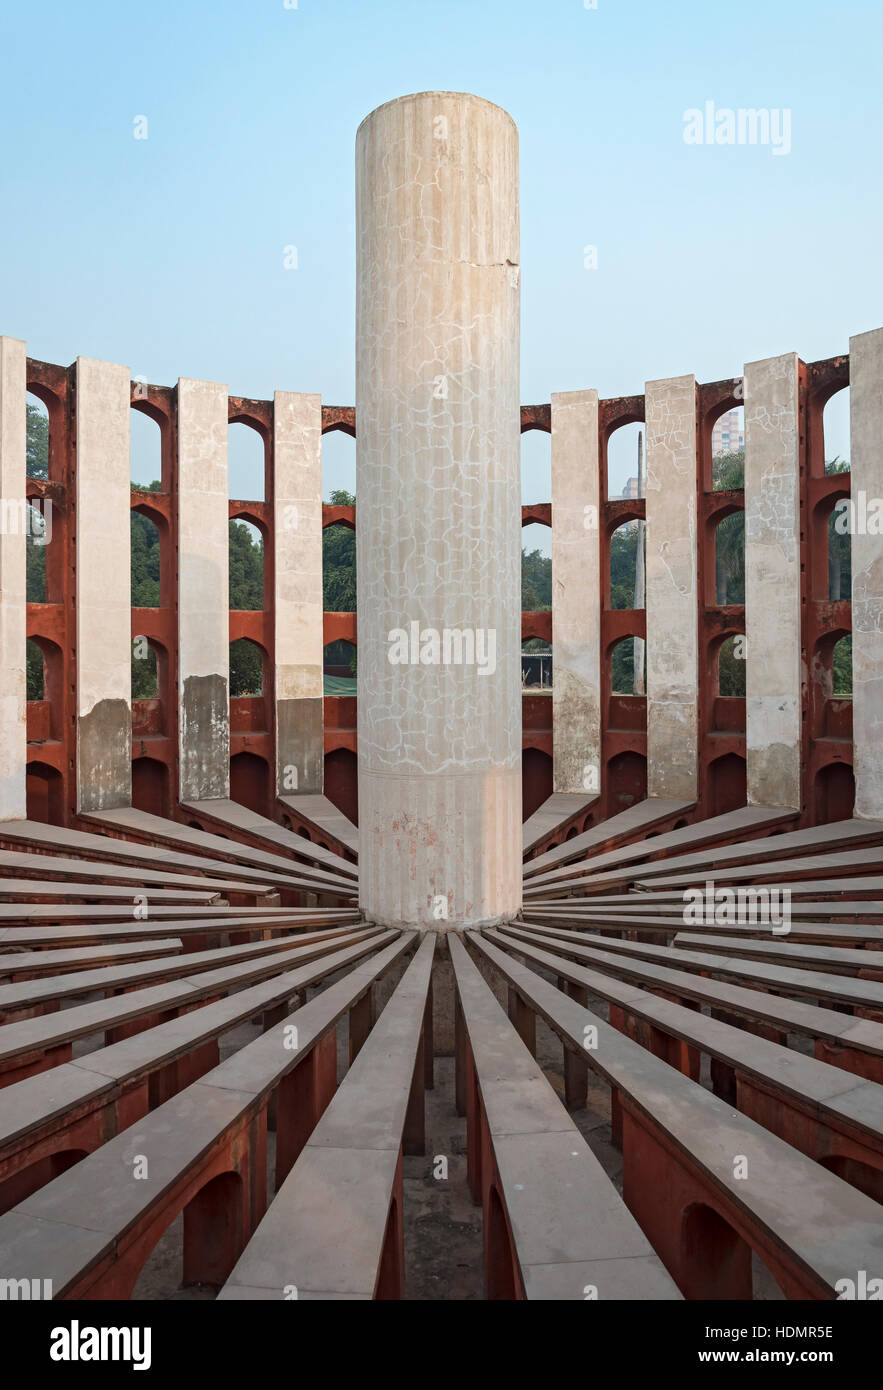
[423, 96]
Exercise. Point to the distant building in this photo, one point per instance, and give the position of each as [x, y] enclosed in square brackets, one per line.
[727, 437]
[631, 488]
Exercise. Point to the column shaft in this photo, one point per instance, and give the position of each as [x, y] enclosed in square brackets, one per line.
[13, 573]
[438, 512]
[203, 592]
[773, 705]
[297, 513]
[576, 599]
[104, 600]
[866, 467]
[672, 590]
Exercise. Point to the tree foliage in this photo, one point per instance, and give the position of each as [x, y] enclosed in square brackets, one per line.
[536, 581]
[37, 442]
[339, 561]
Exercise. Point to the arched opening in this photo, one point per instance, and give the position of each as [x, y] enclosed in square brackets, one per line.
[731, 666]
[728, 450]
[246, 566]
[628, 668]
[339, 565]
[150, 786]
[715, 1262]
[626, 462]
[338, 467]
[246, 669]
[43, 688]
[145, 670]
[246, 559]
[628, 558]
[208, 1232]
[832, 686]
[729, 560]
[835, 432]
[626, 781]
[36, 523]
[35, 519]
[728, 784]
[45, 794]
[37, 437]
[250, 782]
[536, 467]
[727, 668]
[536, 568]
[146, 560]
[246, 462]
[150, 666]
[35, 677]
[841, 667]
[840, 551]
[340, 668]
[536, 780]
[145, 452]
[342, 782]
[834, 793]
[536, 665]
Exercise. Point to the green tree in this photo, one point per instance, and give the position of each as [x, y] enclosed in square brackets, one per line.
[839, 544]
[37, 445]
[34, 667]
[623, 558]
[37, 434]
[245, 668]
[246, 593]
[728, 475]
[339, 561]
[144, 673]
[145, 555]
[623, 668]
[731, 668]
[536, 581]
[246, 569]
[728, 471]
[842, 666]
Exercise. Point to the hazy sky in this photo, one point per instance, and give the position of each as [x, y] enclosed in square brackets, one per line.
[166, 253]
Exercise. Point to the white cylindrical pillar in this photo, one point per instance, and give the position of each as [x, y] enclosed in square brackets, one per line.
[438, 512]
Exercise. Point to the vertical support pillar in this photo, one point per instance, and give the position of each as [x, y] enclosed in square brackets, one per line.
[203, 592]
[13, 579]
[439, 512]
[104, 612]
[866, 466]
[672, 589]
[576, 600]
[772, 581]
[298, 605]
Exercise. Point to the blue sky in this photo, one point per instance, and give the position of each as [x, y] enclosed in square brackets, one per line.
[167, 253]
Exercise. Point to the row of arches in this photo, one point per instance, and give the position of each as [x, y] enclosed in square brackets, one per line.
[247, 539]
[251, 784]
[248, 450]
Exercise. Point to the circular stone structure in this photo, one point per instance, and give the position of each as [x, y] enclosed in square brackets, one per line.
[438, 517]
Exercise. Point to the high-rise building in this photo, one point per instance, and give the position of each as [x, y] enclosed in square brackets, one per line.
[728, 436]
